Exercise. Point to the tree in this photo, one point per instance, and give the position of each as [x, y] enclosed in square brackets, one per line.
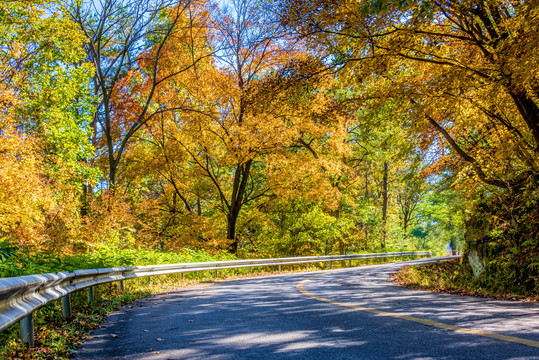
[261, 125]
[466, 68]
[383, 175]
[43, 124]
[410, 195]
[127, 37]
[466, 73]
[440, 220]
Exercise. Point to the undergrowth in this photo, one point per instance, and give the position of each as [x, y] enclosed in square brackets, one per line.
[455, 276]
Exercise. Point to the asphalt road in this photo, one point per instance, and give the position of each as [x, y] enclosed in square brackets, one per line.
[340, 314]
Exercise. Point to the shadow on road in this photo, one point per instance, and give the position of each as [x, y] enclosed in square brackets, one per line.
[267, 318]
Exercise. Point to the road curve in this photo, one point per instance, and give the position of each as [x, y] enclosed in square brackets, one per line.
[350, 313]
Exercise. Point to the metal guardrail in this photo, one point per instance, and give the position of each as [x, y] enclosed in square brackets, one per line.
[21, 296]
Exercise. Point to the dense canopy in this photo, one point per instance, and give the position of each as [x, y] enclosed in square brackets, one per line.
[273, 128]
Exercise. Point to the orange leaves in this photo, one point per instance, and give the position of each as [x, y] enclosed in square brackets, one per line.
[237, 125]
[110, 220]
[40, 131]
[23, 192]
[465, 67]
[297, 176]
[34, 210]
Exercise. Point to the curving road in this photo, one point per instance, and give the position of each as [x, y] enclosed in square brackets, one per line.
[350, 313]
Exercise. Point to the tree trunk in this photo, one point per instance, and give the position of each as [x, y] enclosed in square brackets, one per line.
[231, 232]
[384, 206]
[405, 224]
[453, 243]
[366, 236]
[241, 178]
[529, 112]
[85, 203]
[112, 176]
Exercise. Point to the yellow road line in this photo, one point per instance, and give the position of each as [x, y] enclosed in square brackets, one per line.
[458, 329]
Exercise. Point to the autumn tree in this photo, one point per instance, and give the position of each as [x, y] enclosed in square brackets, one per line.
[252, 46]
[44, 122]
[467, 73]
[260, 123]
[126, 37]
[157, 164]
[465, 69]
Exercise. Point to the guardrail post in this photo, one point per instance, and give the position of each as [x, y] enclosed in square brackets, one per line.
[279, 267]
[215, 275]
[122, 289]
[149, 280]
[90, 294]
[350, 263]
[330, 264]
[66, 307]
[27, 330]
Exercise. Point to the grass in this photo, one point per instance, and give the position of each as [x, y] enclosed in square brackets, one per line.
[455, 277]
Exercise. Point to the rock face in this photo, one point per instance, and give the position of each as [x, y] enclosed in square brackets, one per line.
[477, 229]
[502, 242]
[476, 262]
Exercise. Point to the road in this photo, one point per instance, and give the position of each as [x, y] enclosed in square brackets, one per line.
[352, 313]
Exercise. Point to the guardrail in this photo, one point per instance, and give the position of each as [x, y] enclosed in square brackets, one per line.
[21, 296]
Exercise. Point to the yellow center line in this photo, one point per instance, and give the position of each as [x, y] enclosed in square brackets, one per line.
[458, 329]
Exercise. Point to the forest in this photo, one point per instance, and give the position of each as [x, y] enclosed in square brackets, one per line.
[261, 128]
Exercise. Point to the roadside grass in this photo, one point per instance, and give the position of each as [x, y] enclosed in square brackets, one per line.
[58, 338]
[455, 277]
